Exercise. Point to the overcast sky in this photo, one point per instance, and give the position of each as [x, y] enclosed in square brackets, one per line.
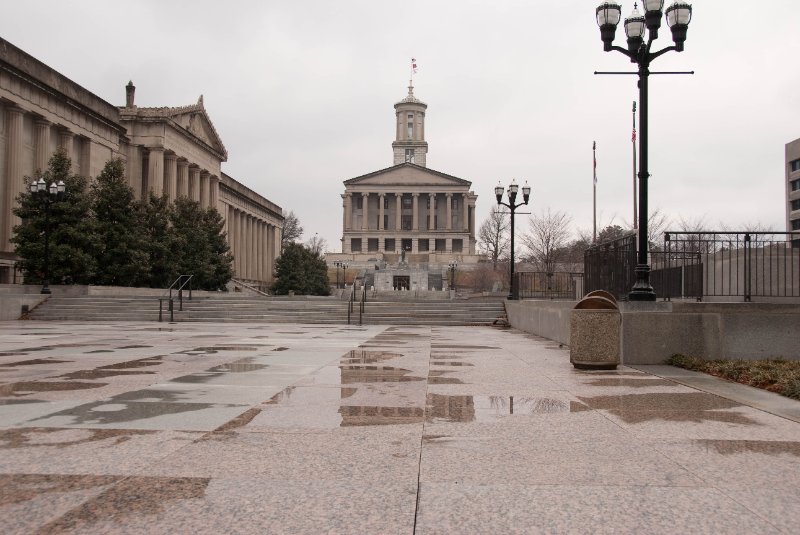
[302, 94]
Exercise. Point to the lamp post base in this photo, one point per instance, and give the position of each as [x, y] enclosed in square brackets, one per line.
[46, 289]
[642, 290]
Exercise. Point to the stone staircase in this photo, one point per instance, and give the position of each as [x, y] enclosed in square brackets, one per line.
[232, 308]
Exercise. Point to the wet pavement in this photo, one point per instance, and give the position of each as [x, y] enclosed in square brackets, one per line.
[212, 428]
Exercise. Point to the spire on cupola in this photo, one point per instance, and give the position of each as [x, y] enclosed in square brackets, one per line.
[409, 145]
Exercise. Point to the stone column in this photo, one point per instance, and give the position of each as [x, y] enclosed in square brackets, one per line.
[182, 179]
[66, 141]
[86, 164]
[213, 191]
[398, 222]
[237, 232]
[155, 170]
[14, 180]
[171, 176]
[449, 216]
[205, 188]
[253, 248]
[42, 143]
[133, 168]
[448, 245]
[381, 200]
[365, 211]
[194, 183]
[414, 245]
[464, 212]
[277, 242]
[415, 211]
[432, 211]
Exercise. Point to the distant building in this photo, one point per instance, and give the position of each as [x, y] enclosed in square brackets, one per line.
[172, 150]
[793, 188]
[408, 211]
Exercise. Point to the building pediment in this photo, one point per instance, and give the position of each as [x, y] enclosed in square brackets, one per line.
[407, 174]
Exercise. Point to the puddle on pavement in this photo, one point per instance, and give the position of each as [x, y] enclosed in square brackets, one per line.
[138, 363]
[33, 362]
[239, 366]
[464, 409]
[635, 383]
[354, 416]
[444, 381]
[54, 346]
[358, 356]
[442, 346]
[100, 374]
[310, 394]
[151, 496]
[196, 378]
[764, 447]
[31, 387]
[449, 363]
[134, 346]
[215, 349]
[240, 421]
[109, 412]
[280, 348]
[291, 332]
[684, 407]
[376, 374]
[98, 351]
[11, 354]
[63, 438]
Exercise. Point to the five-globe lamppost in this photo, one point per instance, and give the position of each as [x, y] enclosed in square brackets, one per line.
[344, 266]
[452, 266]
[678, 16]
[46, 196]
[513, 189]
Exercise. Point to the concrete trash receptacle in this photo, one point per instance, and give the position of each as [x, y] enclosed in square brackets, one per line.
[594, 332]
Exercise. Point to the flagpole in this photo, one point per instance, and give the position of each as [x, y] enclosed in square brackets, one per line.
[594, 192]
[633, 142]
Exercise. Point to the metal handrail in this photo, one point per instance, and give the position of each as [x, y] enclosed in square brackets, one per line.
[178, 285]
[362, 304]
[350, 302]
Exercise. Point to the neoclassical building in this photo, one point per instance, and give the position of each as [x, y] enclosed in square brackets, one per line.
[408, 208]
[172, 150]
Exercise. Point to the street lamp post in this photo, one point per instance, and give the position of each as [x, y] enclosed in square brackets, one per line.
[47, 196]
[343, 265]
[452, 265]
[512, 197]
[678, 16]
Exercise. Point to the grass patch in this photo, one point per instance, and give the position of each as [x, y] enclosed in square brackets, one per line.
[776, 375]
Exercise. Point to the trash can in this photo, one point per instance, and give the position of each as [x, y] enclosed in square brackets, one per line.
[594, 332]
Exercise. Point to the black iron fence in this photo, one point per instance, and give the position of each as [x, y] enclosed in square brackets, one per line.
[611, 266]
[727, 264]
[543, 285]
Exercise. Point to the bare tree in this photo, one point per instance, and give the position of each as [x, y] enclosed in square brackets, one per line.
[292, 231]
[317, 245]
[493, 236]
[547, 237]
[657, 223]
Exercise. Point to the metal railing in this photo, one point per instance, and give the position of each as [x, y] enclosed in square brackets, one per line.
[727, 264]
[361, 304]
[611, 266]
[177, 286]
[543, 285]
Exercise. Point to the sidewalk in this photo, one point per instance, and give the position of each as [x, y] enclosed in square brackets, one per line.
[243, 428]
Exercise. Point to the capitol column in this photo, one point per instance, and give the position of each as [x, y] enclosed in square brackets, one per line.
[432, 211]
[14, 181]
[415, 211]
[171, 176]
[365, 212]
[213, 192]
[42, 141]
[449, 216]
[465, 212]
[348, 211]
[155, 170]
[182, 180]
[398, 223]
[381, 199]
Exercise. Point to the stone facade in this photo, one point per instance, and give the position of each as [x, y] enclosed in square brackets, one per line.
[793, 188]
[172, 150]
[408, 208]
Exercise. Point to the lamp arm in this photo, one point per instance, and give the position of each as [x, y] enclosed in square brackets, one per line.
[654, 55]
[623, 51]
[506, 205]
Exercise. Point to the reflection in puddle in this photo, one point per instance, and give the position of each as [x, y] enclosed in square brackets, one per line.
[490, 408]
[363, 416]
[240, 421]
[310, 394]
[367, 357]
[30, 387]
[449, 363]
[101, 374]
[63, 438]
[138, 363]
[134, 346]
[134, 496]
[240, 366]
[376, 374]
[280, 348]
[686, 407]
[438, 346]
[765, 447]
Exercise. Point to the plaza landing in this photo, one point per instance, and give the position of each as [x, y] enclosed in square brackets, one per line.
[132, 427]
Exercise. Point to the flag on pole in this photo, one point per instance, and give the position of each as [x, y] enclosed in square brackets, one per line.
[414, 65]
[633, 136]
